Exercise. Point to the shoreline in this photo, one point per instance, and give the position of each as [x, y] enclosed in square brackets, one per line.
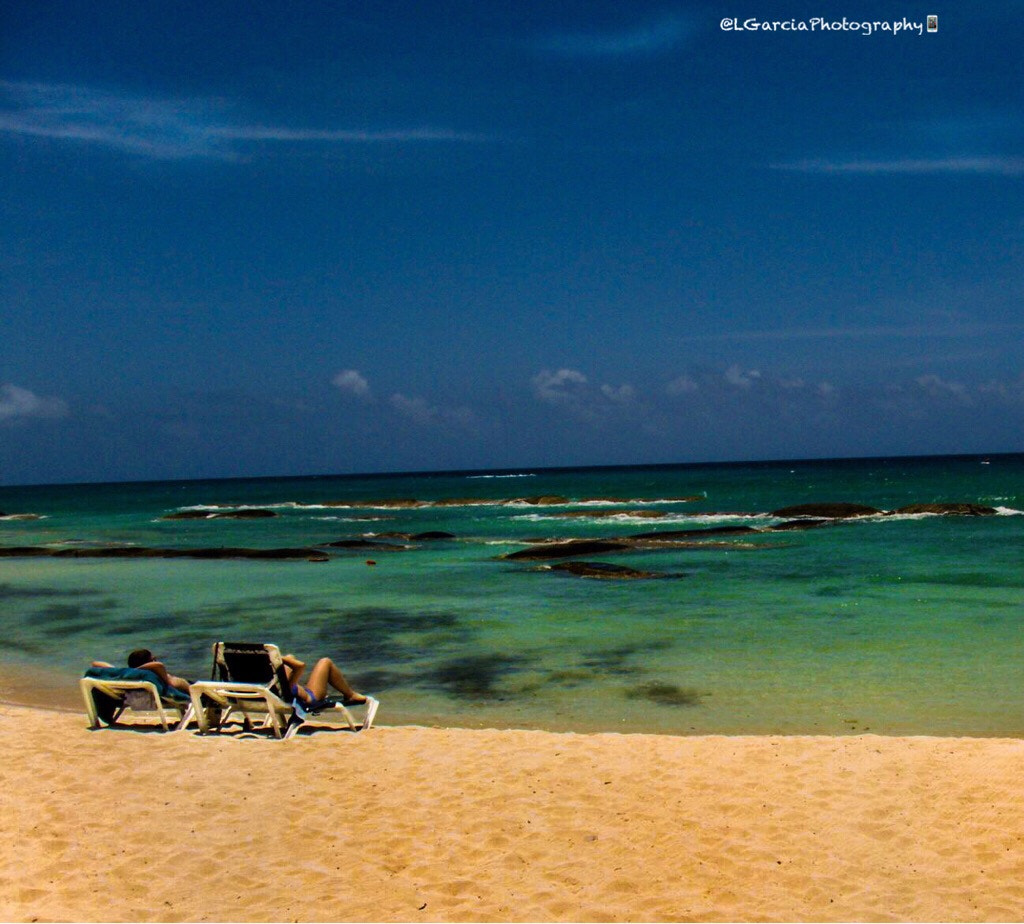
[434, 824]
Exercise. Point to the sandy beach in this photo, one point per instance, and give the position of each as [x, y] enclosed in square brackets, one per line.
[430, 824]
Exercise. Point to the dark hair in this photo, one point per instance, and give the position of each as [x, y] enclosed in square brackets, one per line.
[140, 656]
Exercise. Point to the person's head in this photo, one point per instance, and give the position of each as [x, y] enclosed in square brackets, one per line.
[139, 657]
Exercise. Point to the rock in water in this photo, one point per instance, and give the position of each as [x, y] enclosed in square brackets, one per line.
[796, 524]
[362, 544]
[567, 549]
[603, 571]
[963, 510]
[837, 511]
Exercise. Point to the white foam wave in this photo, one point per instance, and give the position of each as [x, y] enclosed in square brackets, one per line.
[485, 477]
[633, 501]
[692, 519]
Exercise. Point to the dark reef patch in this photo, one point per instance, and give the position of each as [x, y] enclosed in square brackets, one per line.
[568, 549]
[60, 620]
[696, 533]
[475, 676]
[10, 592]
[666, 694]
[382, 635]
[615, 660]
[603, 571]
[361, 545]
[790, 525]
[963, 510]
[137, 551]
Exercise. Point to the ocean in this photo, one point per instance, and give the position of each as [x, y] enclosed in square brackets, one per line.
[892, 623]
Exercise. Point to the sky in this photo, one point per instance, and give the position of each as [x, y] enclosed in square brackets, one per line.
[285, 238]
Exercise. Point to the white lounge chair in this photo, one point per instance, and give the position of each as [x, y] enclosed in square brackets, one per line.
[135, 690]
[254, 684]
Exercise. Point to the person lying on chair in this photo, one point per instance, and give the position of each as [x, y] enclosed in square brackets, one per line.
[143, 659]
[325, 674]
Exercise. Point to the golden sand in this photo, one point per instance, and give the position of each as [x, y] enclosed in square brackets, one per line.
[426, 824]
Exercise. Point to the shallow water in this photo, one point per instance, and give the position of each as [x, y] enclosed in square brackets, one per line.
[897, 625]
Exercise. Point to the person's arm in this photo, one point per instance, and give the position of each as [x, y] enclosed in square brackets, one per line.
[100, 664]
[157, 667]
[293, 667]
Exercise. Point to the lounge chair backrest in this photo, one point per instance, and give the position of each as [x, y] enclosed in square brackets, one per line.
[245, 662]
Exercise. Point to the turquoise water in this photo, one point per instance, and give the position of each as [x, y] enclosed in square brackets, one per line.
[897, 625]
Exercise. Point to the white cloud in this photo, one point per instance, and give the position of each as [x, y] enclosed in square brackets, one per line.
[20, 402]
[624, 394]
[683, 385]
[937, 387]
[735, 375]
[561, 387]
[352, 382]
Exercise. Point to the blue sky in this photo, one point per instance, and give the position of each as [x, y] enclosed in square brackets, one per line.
[289, 238]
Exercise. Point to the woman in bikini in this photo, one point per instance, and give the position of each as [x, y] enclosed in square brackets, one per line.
[325, 674]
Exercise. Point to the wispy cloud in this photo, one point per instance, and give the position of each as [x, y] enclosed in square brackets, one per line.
[425, 414]
[169, 129]
[913, 331]
[350, 136]
[647, 39]
[998, 165]
[20, 402]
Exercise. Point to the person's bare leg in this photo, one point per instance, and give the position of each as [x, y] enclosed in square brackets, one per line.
[325, 672]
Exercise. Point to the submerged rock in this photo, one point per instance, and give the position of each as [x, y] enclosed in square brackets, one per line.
[796, 524]
[243, 513]
[833, 511]
[963, 510]
[362, 544]
[569, 549]
[604, 571]
[541, 500]
[697, 533]
[138, 551]
[666, 694]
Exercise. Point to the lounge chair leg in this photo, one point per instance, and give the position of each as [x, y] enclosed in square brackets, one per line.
[186, 717]
[371, 711]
